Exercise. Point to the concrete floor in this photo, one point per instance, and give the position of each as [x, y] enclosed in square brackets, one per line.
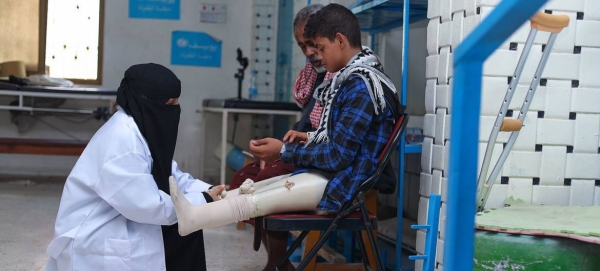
[28, 209]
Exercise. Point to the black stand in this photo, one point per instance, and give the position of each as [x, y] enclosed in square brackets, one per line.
[240, 74]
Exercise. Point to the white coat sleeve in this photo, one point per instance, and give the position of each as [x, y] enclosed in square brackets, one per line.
[189, 186]
[126, 184]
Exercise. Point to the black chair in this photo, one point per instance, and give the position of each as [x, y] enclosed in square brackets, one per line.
[353, 215]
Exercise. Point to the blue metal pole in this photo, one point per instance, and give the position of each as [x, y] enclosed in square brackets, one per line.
[507, 17]
[400, 203]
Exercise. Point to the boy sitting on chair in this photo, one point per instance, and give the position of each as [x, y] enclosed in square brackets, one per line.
[360, 104]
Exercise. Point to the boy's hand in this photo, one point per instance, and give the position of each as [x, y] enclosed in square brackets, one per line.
[266, 149]
[295, 137]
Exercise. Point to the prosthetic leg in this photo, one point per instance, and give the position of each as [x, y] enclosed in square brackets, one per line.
[300, 192]
[542, 22]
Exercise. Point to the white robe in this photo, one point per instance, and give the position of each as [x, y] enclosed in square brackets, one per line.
[111, 209]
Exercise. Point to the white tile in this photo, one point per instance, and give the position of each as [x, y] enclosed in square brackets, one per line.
[423, 209]
[429, 125]
[497, 196]
[582, 193]
[470, 22]
[591, 10]
[430, 95]
[488, 2]
[444, 61]
[446, 156]
[495, 155]
[587, 33]
[440, 126]
[522, 164]
[432, 36]
[596, 195]
[569, 5]
[448, 125]
[583, 166]
[426, 154]
[446, 11]
[585, 100]
[565, 40]
[443, 96]
[587, 131]
[425, 185]
[444, 189]
[440, 251]
[537, 104]
[440, 267]
[436, 182]
[419, 266]
[562, 66]
[471, 8]
[555, 132]
[457, 29]
[420, 245]
[439, 157]
[551, 195]
[442, 225]
[590, 61]
[527, 135]
[432, 66]
[493, 91]
[458, 5]
[520, 36]
[520, 189]
[434, 8]
[558, 99]
[501, 63]
[554, 162]
[445, 34]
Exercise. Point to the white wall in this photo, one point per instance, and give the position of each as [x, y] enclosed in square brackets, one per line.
[559, 151]
[132, 41]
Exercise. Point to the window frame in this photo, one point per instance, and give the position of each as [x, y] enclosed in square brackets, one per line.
[42, 44]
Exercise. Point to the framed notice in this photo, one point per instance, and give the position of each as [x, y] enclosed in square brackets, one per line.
[195, 49]
[154, 9]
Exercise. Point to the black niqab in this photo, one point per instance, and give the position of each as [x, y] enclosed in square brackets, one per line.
[142, 94]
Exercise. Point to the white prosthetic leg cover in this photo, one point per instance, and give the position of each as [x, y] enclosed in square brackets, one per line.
[192, 218]
[249, 186]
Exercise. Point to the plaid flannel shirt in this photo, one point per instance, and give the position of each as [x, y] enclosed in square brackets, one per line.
[357, 136]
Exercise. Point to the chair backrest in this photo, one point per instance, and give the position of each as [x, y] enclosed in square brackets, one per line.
[384, 156]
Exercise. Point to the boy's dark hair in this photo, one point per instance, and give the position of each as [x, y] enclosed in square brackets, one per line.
[332, 19]
[305, 13]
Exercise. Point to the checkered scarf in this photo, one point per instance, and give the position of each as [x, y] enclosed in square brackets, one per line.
[303, 91]
[364, 64]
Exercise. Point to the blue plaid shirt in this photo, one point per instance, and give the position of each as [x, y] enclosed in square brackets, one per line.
[357, 136]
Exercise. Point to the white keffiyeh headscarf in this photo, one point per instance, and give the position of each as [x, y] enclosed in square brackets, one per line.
[364, 64]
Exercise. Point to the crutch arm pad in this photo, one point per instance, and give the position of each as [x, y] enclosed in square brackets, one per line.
[548, 22]
[511, 125]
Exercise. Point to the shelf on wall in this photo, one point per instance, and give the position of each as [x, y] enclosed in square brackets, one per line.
[376, 16]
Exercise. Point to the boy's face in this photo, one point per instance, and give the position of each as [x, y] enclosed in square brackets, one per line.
[330, 52]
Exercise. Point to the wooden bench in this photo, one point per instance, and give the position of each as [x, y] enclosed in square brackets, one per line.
[42, 146]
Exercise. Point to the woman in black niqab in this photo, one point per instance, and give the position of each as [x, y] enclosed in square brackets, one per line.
[143, 94]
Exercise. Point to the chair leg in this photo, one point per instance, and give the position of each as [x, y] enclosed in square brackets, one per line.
[319, 244]
[311, 241]
[291, 250]
[363, 250]
[374, 246]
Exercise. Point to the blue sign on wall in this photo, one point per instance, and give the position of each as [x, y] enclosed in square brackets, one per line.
[154, 9]
[195, 49]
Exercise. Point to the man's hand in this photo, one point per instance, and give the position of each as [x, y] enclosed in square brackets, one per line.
[215, 192]
[266, 149]
[295, 137]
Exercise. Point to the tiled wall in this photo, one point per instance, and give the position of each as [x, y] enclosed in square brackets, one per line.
[556, 158]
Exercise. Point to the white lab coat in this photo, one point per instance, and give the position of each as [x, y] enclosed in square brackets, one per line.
[111, 209]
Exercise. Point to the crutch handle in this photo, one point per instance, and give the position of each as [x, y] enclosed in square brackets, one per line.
[511, 125]
[548, 22]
